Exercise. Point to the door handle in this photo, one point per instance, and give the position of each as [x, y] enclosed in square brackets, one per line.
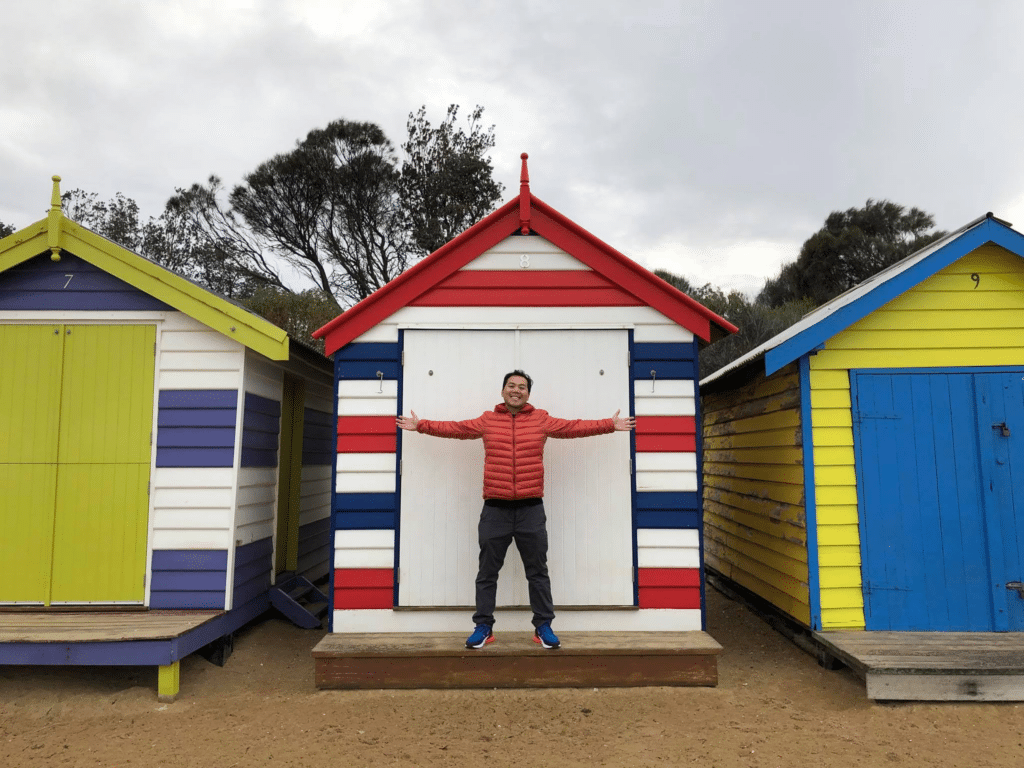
[1017, 587]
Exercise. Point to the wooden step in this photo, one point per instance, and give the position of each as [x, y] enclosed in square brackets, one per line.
[586, 659]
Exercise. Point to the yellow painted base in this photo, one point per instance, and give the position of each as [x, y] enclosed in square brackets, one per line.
[168, 681]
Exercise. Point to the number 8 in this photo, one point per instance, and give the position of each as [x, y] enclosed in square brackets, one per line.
[524, 261]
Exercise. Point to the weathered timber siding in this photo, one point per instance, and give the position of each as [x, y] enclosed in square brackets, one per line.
[754, 519]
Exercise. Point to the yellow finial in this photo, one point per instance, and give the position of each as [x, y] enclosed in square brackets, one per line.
[54, 221]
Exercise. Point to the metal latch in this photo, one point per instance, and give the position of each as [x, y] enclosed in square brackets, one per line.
[1003, 429]
[1017, 587]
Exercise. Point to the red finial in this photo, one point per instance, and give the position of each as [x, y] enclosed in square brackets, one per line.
[524, 197]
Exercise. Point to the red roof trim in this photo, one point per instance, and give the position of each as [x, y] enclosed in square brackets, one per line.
[625, 272]
[419, 278]
[491, 230]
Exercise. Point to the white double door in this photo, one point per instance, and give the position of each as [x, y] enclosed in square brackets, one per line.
[457, 375]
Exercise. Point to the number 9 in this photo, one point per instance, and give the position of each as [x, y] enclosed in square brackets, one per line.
[977, 279]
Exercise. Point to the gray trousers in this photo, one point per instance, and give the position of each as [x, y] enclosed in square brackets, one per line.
[527, 526]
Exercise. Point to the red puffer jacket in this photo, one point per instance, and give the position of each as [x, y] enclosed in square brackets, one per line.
[514, 445]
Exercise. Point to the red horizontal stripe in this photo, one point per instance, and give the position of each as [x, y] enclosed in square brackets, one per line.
[367, 444]
[669, 597]
[363, 577]
[363, 598]
[527, 297]
[665, 425]
[366, 425]
[665, 443]
[669, 577]
[367, 434]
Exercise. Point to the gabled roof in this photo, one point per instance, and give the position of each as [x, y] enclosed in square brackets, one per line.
[56, 233]
[816, 327]
[526, 214]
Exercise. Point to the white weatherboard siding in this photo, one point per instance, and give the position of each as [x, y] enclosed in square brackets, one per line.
[192, 508]
[648, 324]
[193, 356]
[366, 473]
[661, 548]
[577, 374]
[647, 620]
[666, 472]
[315, 494]
[368, 398]
[533, 253]
[667, 397]
[364, 549]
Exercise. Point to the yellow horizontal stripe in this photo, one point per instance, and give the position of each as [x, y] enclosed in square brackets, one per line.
[831, 417]
[847, 577]
[987, 281]
[902, 339]
[838, 555]
[833, 455]
[940, 319]
[828, 475]
[830, 398]
[842, 535]
[829, 380]
[831, 436]
[919, 358]
[756, 424]
[721, 516]
[837, 514]
[842, 618]
[836, 494]
[756, 552]
[731, 531]
[842, 597]
[785, 583]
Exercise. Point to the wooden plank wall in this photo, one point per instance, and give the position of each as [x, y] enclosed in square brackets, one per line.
[754, 522]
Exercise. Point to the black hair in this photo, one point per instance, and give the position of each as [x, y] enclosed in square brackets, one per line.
[517, 372]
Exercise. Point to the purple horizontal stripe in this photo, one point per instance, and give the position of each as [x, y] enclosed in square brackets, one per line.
[258, 404]
[196, 437]
[187, 600]
[190, 560]
[251, 457]
[195, 457]
[255, 550]
[208, 417]
[71, 283]
[252, 570]
[263, 441]
[251, 589]
[198, 398]
[189, 581]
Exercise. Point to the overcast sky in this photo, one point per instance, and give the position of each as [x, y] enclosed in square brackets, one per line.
[706, 138]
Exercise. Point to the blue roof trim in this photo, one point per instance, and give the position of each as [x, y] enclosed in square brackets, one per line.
[987, 231]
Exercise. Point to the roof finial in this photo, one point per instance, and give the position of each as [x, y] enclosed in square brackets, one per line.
[524, 197]
[54, 220]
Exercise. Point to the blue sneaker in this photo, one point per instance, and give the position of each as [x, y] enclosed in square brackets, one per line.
[546, 637]
[481, 636]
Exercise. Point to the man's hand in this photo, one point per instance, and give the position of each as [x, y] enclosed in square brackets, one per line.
[407, 423]
[621, 425]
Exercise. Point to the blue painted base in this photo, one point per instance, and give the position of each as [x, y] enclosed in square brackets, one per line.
[134, 652]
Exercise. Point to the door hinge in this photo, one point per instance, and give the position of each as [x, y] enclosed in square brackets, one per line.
[398, 575]
[403, 359]
[630, 466]
[400, 467]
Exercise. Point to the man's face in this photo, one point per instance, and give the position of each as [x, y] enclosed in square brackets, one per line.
[515, 394]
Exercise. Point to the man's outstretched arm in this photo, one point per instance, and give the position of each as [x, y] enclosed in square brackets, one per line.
[459, 430]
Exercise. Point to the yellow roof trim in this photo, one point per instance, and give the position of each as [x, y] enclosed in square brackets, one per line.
[234, 322]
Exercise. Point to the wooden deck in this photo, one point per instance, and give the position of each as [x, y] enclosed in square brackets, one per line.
[104, 627]
[441, 660]
[932, 666]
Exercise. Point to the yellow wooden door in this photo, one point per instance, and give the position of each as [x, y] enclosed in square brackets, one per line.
[76, 410]
[102, 502]
[30, 364]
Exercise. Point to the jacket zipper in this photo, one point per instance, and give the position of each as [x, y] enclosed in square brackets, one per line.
[514, 494]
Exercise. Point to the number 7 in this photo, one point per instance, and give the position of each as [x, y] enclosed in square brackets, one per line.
[69, 280]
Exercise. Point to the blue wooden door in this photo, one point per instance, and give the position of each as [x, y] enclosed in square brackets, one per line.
[941, 536]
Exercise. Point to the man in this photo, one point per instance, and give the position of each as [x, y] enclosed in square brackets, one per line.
[514, 434]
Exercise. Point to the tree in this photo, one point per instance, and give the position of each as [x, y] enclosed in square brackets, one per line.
[339, 212]
[116, 219]
[447, 180]
[852, 246]
[5, 230]
[757, 322]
